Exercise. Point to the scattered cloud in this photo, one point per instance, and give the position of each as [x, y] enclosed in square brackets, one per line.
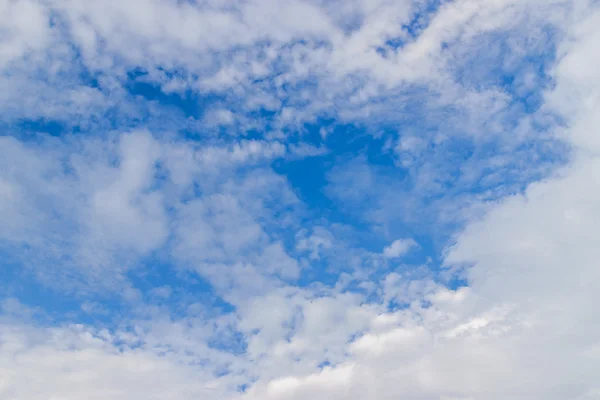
[217, 193]
[398, 248]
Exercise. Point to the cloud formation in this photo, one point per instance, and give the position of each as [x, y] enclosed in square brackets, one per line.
[299, 200]
[398, 248]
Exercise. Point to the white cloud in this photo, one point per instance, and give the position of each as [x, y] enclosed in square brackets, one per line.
[399, 247]
[101, 205]
[101, 214]
[524, 328]
[72, 362]
[320, 239]
[324, 62]
[25, 29]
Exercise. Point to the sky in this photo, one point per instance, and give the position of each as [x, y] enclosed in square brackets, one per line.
[299, 199]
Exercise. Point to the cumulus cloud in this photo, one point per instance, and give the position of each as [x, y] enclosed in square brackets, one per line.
[101, 214]
[71, 362]
[171, 227]
[398, 248]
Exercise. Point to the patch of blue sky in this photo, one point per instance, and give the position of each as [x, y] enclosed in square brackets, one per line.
[57, 306]
[182, 296]
[33, 127]
[308, 176]
[189, 103]
[154, 283]
[163, 283]
[190, 111]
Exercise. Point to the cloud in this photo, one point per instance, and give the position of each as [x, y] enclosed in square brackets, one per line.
[101, 214]
[72, 362]
[166, 232]
[328, 63]
[398, 248]
[111, 202]
[319, 240]
[522, 328]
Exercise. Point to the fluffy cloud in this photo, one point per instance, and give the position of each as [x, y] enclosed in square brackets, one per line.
[72, 362]
[194, 251]
[300, 59]
[398, 248]
[111, 202]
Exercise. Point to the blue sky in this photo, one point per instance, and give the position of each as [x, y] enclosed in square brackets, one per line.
[299, 199]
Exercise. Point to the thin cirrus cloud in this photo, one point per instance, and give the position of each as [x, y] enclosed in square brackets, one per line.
[217, 194]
